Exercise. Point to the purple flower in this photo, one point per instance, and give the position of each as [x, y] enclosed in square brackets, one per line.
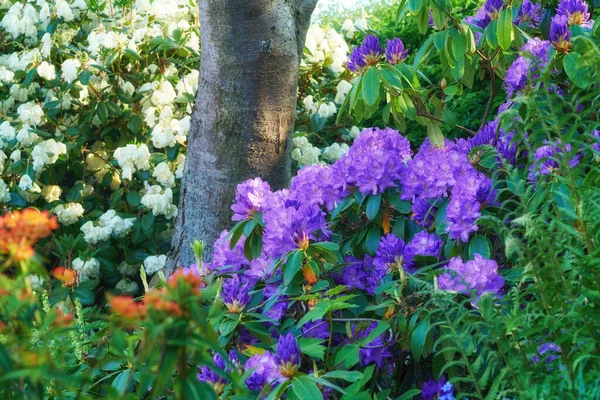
[211, 377]
[493, 135]
[516, 76]
[395, 51]
[288, 355]
[371, 49]
[546, 159]
[318, 329]
[376, 161]
[278, 309]
[493, 8]
[537, 48]
[235, 294]
[479, 275]
[440, 390]
[364, 274]
[423, 211]
[264, 371]
[389, 252]
[548, 351]
[377, 351]
[291, 224]
[225, 259]
[357, 61]
[529, 13]
[576, 12]
[315, 184]
[559, 33]
[250, 198]
[596, 137]
[422, 244]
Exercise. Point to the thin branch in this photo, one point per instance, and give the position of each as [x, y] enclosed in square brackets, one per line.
[459, 127]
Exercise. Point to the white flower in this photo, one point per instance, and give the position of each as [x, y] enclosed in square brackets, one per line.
[126, 286]
[349, 28]
[46, 44]
[6, 76]
[159, 201]
[94, 234]
[153, 264]
[132, 158]
[304, 152]
[309, 105]
[36, 281]
[127, 269]
[46, 71]
[361, 24]
[86, 270]
[51, 193]
[164, 94]
[30, 113]
[162, 173]
[116, 224]
[26, 137]
[46, 153]
[163, 136]
[343, 88]
[7, 132]
[354, 132]
[327, 110]
[2, 160]
[68, 214]
[335, 151]
[25, 183]
[63, 10]
[4, 193]
[69, 69]
[15, 155]
[128, 88]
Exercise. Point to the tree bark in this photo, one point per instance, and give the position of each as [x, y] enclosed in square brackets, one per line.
[244, 114]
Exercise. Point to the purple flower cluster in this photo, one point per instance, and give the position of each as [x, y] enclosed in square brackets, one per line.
[596, 143]
[363, 275]
[529, 13]
[251, 197]
[479, 275]
[546, 159]
[395, 51]
[486, 14]
[423, 211]
[376, 161]
[288, 355]
[235, 294]
[368, 53]
[494, 135]
[534, 57]
[211, 377]
[422, 244]
[576, 12]
[377, 351]
[548, 353]
[559, 33]
[265, 370]
[225, 259]
[440, 390]
[447, 172]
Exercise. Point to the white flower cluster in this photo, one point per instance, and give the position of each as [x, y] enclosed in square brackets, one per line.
[109, 224]
[350, 28]
[325, 109]
[335, 152]
[86, 269]
[304, 152]
[326, 46]
[160, 201]
[68, 214]
[153, 264]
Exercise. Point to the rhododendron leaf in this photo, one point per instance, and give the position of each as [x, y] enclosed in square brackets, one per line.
[414, 6]
[491, 35]
[304, 388]
[370, 87]
[102, 112]
[133, 198]
[121, 380]
[409, 394]
[505, 28]
[372, 239]
[577, 70]
[373, 204]
[418, 338]
[194, 389]
[480, 245]
[135, 124]
[292, 266]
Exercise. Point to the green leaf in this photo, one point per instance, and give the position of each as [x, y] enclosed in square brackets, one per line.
[373, 204]
[84, 77]
[414, 5]
[292, 266]
[391, 77]
[370, 86]
[348, 376]
[505, 29]
[419, 336]
[459, 45]
[449, 117]
[194, 389]
[491, 35]
[135, 124]
[120, 382]
[102, 111]
[409, 394]
[304, 388]
[133, 198]
[348, 355]
[312, 347]
[148, 223]
[84, 295]
[480, 245]
[372, 240]
[436, 137]
[577, 70]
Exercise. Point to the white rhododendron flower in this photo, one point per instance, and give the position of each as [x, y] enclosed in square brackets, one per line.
[69, 69]
[304, 152]
[86, 269]
[361, 24]
[46, 71]
[25, 183]
[47, 152]
[153, 264]
[68, 214]
[132, 158]
[162, 173]
[109, 224]
[4, 193]
[342, 88]
[349, 28]
[327, 110]
[164, 94]
[127, 287]
[160, 201]
[335, 151]
[30, 113]
[51, 193]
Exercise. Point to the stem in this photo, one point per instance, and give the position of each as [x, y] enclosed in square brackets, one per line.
[459, 127]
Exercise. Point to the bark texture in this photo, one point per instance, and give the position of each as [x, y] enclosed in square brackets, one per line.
[244, 114]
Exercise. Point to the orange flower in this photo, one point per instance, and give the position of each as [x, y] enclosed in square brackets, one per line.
[21, 230]
[188, 275]
[62, 320]
[309, 274]
[157, 300]
[125, 307]
[67, 276]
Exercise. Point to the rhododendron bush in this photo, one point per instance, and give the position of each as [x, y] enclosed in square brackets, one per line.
[461, 266]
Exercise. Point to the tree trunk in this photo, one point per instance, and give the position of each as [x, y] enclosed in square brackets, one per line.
[244, 114]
